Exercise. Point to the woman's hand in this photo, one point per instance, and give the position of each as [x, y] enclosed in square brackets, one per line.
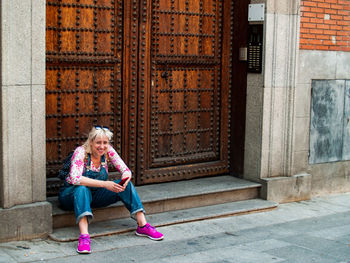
[127, 181]
[114, 187]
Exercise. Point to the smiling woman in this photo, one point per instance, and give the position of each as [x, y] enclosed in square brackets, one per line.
[87, 186]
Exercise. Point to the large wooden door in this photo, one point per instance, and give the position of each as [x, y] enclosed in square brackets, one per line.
[83, 75]
[157, 72]
[184, 89]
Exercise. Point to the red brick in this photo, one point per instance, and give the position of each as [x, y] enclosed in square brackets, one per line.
[329, 32]
[331, 1]
[315, 41]
[304, 20]
[342, 33]
[330, 11]
[308, 14]
[335, 48]
[328, 43]
[308, 36]
[323, 37]
[321, 47]
[322, 26]
[316, 31]
[344, 13]
[317, 10]
[307, 47]
[343, 2]
[342, 43]
[330, 22]
[316, 20]
[339, 38]
[309, 3]
[304, 30]
[323, 5]
[345, 49]
[305, 9]
[334, 27]
[309, 25]
[336, 17]
[336, 6]
[343, 23]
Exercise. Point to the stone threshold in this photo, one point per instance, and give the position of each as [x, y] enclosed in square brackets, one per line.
[124, 225]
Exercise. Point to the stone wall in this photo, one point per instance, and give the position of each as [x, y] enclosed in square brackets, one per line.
[330, 177]
[278, 111]
[271, 104]
[24, 212]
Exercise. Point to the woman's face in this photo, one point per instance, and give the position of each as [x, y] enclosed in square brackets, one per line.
[99, 145]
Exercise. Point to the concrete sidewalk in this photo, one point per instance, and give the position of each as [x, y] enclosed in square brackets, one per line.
[310, 231]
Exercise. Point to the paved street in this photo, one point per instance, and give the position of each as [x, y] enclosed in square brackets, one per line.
[310, 231]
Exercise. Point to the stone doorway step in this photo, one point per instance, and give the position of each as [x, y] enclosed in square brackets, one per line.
[167, 204]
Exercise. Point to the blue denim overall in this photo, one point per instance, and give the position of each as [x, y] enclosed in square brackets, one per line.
[82, 198]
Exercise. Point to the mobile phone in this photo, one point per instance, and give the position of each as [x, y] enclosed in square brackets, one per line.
[123, 181]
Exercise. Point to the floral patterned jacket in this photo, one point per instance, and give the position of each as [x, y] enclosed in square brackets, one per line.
[79, 163]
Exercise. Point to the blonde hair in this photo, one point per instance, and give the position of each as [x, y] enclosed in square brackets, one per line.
[96, 131]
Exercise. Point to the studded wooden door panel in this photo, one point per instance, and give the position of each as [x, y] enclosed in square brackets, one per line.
[184, 89]
[83, 75]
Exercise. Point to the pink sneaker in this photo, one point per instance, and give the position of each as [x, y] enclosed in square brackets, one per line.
[149, 231]
[84, 244]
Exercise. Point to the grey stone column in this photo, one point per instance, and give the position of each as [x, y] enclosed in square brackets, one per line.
[274, 108]
[24, 212]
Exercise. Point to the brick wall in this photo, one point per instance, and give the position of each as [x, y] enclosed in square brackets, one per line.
[325, 25]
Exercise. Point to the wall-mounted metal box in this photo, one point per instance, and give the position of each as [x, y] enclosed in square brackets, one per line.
[256, 12]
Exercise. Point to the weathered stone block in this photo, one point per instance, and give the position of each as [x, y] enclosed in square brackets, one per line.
[316, 65]
[343, 65]
[287, 189]
[26, 221]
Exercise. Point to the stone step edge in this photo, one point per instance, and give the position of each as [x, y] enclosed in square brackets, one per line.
[237, 184]
[124, 225]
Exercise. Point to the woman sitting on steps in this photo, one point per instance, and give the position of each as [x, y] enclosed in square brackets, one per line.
[87, 186]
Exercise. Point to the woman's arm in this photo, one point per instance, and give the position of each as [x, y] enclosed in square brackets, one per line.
[110, 185]
[118, 163]
[77, 166]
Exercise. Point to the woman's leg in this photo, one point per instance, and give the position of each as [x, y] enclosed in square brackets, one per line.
[144, 229]
[132, 202]
[141, 219]
[103, 197]
[82, 201]
[83, 225]
[77, 198]
[84, 238]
